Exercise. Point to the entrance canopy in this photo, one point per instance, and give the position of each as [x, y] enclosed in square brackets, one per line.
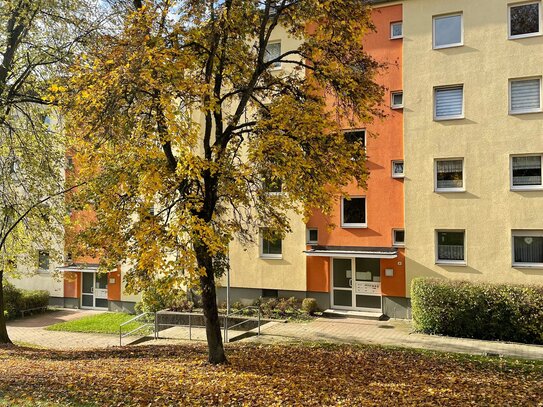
[353, 252]
[79, 268]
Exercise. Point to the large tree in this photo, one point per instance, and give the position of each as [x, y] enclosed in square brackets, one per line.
[37, 38]
[182, 119]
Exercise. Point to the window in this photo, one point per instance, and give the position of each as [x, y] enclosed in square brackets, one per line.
[526, 172]
[396, 100]
[396, 30]
[312, 235]
[450, 247]
[525, 96]
[355, 136]
[398, 237]
[449, 103]
[273, 51]
[528, 248]
[43, 260]
[271, 245]
[397, 169]
[524, 20]
[353, 212]
[448, 31]
[449, 175]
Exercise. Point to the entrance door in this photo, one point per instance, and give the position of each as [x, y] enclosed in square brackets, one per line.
[356, 284]
[94, 291]
[367, 289]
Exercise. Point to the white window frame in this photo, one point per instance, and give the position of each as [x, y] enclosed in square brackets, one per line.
[524, 187]
[392, 36]
[440, 190]
[458, 44]
[392, 94]
[397, 175]
[455, 117]
[268, 256]
[516, 112]
[308, 236]
[396, 243]
[520, 36]
[355, 225]
[524, 233]
[450, 262]
[278, 66]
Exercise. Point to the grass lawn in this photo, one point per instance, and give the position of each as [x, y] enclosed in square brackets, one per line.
[105, 323]
[264, 375]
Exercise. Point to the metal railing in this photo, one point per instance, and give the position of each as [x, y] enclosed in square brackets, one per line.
[240, 311]
[157, 325]
[139, 328]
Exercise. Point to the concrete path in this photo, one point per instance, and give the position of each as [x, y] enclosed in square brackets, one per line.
[391, 333]
[31, 330]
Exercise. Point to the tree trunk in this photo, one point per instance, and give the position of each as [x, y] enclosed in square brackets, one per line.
[4, 337]
[211, 312]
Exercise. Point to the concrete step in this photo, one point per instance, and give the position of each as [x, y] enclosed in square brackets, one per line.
[371, 315]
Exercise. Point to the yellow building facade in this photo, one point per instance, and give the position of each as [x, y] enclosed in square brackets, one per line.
[473, 129]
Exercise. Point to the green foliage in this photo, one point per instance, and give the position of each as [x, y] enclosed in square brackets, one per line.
[310, 305]
[483, 311]
[17, 300]
[156, 299]
[279, 308]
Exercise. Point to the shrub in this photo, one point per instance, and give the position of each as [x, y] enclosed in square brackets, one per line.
[153, 300]
[482, 311]
[17, 300]
[34, 299]
[13, 300]
[310, 305]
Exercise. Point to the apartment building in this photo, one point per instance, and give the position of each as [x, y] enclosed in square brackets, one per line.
[464, 113]
[473, 124]
[359, 264]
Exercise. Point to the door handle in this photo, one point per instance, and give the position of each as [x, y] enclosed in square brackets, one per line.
[92, 290]
[351, 282]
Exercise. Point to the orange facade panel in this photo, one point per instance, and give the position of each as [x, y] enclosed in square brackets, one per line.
[318, 274]
[114, 285]
[72, 285]
[393, 286]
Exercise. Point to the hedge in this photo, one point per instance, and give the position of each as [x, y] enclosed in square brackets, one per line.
[17, 300]
[483, 311]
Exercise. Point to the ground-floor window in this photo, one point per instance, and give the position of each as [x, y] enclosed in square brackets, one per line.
[528, 248]
[450, 246]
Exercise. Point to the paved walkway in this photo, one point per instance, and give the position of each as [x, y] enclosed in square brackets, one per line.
[344, 330]
[30, 330]
[391, 333]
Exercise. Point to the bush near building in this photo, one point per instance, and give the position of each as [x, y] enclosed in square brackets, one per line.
[17, 300]
[482, 311]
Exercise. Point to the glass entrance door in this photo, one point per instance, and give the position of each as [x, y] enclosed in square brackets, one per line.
[342, 281]
[367, 287]
[87, 290]
[356, 284]
[94, 290]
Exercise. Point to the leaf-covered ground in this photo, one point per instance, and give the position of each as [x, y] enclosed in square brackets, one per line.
[308, 375]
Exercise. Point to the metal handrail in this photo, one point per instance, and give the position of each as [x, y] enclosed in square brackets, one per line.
[137, 317]
[156, 324]
[228, 315]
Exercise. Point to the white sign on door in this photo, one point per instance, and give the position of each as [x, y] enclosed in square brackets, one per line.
[367, 288]
[100, 293]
